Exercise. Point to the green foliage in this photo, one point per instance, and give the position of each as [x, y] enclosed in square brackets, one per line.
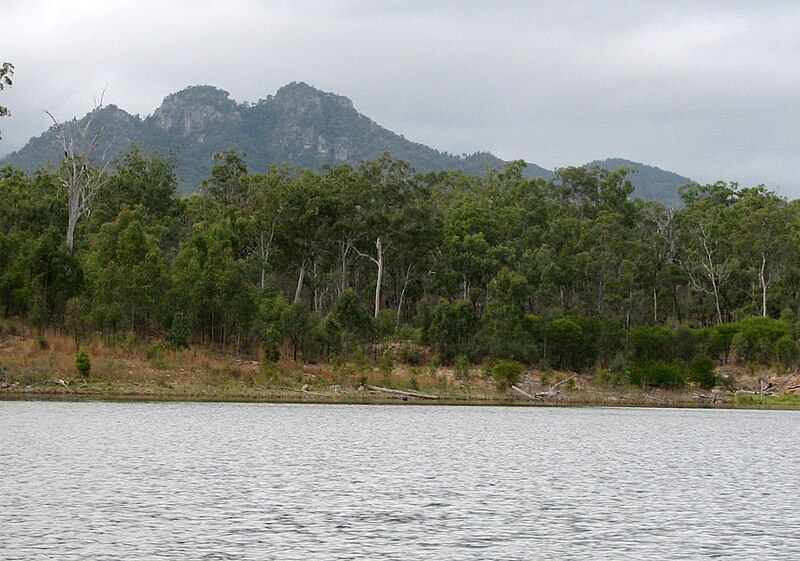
[571, 347]
[82, 363]
[411, 354]
[385, 363]
[452, 327]
[701, 372]
[658, 374]
[650, 344]
[271, 345]
[462, 366]
[787, 350]
[179, 331]
[6, 72]
[756, 340]
[507, 373]
[567, 273]
[353, 319]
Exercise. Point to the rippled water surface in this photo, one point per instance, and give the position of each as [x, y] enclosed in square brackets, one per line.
[183, 481]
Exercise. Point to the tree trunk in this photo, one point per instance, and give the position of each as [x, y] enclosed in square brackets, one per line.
[763, 280]
[74, 213]
[379, 263]
[400, 300]
[300, 278]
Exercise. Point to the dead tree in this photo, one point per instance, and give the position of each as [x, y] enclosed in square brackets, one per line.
[81, 178]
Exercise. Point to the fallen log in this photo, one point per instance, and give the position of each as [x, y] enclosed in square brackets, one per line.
[524, 393]
[404, 393]
[552, 392]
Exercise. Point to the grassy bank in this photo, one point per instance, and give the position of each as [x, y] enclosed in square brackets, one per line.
[40, 366]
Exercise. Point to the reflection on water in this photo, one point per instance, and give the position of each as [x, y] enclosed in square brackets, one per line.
[143, 481]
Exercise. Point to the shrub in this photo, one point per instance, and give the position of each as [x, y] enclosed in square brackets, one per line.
[461, 367]
[787, 351]
[608, 378]
[385, 363]
[179, 332]
[82, 363]
[658, 374]
[411, 354]
[650, 344]
[757, 338]
[701, 372]
[507, 373]
[272, 345]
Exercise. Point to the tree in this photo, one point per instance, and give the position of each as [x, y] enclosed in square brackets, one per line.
[80, 141]
[762, 237]
[6, 72]
[705, 229]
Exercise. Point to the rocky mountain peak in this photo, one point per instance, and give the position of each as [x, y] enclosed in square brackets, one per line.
[301, 99]
[195, 110]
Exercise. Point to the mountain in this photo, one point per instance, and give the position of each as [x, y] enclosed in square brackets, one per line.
[649, 182]
[299, 125]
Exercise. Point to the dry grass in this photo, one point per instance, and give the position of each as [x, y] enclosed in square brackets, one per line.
[30, 363]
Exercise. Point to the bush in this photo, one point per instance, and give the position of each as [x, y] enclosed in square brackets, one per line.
[757, 338]
[787, 350]
[385, 363]
[507, 373]
[651, 344]
[701, 372]
[411, 354]
[82, 363]
[608, 378]
[272, 345]
[658, 374]
[461, 367]
[179, 332]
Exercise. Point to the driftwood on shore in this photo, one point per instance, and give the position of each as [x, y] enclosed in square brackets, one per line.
[552, 392]
[404, 393]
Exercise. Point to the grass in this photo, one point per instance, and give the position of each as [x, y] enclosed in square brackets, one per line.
[140, 369]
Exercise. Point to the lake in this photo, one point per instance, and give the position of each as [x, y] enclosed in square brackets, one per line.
[218, 481]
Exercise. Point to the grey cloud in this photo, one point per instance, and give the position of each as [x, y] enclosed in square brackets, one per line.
[706, 89]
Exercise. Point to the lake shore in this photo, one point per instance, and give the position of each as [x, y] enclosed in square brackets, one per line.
[43, 367]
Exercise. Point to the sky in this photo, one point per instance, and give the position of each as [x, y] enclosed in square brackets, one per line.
[707, 89]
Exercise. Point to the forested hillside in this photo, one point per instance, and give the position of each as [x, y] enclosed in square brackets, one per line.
[570, 272]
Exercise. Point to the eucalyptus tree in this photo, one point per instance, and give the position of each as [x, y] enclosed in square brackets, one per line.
[264, 209]
[763, 240]
[210, 284]
[127, 276]
[706, 236]
[304, 227]
[387, 187]
[84, 166]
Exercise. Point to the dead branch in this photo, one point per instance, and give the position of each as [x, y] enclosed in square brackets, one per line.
[523, 392]
[404, 393]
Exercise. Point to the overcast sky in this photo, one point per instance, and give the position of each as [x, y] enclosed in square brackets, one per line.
[710, 90]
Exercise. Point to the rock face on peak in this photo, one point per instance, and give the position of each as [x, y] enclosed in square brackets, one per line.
[197, 110]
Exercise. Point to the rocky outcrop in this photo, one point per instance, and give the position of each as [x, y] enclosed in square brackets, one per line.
[196, 111]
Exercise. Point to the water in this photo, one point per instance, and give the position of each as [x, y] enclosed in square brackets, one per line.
[184, 481]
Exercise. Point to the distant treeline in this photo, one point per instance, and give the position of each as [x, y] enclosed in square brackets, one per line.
[569, 272]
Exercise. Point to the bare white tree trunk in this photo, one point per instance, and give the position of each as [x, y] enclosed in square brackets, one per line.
[380, 250]
[264, 247]
[379, 263]
[402, 296]
[300, 278]
[82, 179]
